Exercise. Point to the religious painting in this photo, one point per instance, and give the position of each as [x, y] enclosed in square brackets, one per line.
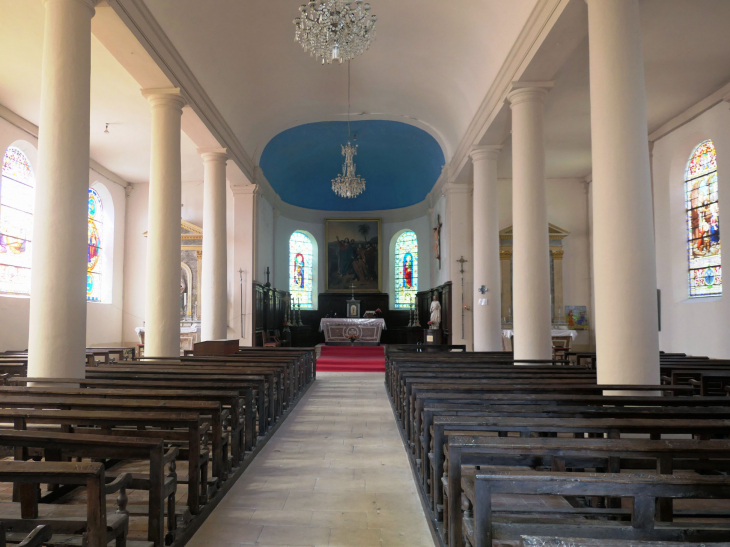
[353, 255]
[576, 317]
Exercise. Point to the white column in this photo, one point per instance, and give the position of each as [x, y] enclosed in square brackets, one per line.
[215, 260]
[530, 247]
[627, 336]
[57, 339]
[162, 306]
[487, 317]
[245, 197]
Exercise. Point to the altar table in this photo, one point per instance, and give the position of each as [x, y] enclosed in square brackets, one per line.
[339, 330]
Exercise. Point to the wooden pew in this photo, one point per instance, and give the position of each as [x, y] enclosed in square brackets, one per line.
[229, 399]
[536, 541]
[161, 488]
[173, 427]
[100, 527]
[204, 408]
[244, 390]
[482, 528]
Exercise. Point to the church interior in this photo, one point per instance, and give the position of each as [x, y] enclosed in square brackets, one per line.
[450, 273]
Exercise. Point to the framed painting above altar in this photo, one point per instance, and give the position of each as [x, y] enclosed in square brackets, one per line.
[353, 255]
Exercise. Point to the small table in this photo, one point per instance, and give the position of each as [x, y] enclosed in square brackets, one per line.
[338, 331]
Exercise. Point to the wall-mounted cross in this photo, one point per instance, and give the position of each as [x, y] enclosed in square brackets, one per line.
[462, 260]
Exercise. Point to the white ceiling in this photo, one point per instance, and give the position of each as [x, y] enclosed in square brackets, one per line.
[115, 95]
[686, 58]
[430, 65]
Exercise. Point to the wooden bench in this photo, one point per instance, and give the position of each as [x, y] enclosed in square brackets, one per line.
[161, 488]
[482, 527]
[100, 527]
[533, 541]
[182, 428]
[613, 454]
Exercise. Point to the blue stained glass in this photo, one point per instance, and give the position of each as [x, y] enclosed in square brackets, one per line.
[406, 269]
[703, 222]
[301, 256]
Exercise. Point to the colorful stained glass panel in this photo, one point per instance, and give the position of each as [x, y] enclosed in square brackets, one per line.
[406, 269]
[94, 253]
[17, 196]
[301, 258]
[703, 222]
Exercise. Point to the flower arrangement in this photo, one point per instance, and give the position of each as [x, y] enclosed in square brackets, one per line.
[353, 337]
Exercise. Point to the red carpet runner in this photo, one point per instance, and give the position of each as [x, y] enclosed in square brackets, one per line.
[351, 359]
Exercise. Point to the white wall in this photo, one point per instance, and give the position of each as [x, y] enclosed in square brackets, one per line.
[264, 240]
[695, 326]
[567, 203]
[103, 319]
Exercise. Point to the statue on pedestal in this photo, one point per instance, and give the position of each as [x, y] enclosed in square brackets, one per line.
[435, 313]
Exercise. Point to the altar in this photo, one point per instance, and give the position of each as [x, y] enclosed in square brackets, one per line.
[338, 330]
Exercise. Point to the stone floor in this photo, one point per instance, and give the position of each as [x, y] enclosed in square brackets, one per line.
[335, 474]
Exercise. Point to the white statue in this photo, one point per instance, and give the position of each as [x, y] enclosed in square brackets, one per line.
[435, 313]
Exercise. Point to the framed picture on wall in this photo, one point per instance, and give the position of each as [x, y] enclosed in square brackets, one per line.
[353, 255]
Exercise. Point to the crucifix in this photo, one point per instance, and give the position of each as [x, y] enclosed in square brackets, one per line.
[352, 287]
[437, 239]
[462, 260]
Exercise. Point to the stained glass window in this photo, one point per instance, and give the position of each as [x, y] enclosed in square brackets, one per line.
[17, 195]
[301, 258]
[703, 222]
[406, 269]
[94, 255]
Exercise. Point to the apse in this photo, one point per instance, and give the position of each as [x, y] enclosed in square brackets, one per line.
[400, 164]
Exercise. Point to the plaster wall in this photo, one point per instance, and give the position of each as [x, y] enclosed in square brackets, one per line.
[695, 326]
[103, 319]
[265, 242]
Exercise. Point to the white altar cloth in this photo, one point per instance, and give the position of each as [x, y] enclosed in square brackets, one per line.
[509, 333]
[340, 329]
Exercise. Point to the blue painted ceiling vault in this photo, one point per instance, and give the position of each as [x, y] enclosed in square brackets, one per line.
[400, 164]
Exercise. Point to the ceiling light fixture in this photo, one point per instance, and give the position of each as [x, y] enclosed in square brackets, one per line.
[334, 30]
[348, 184]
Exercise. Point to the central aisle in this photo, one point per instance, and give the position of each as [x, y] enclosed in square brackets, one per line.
[335, 474]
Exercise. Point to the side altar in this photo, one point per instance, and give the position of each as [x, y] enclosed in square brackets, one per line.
[339, 331]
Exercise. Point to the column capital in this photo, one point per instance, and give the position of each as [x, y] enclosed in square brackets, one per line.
[214, 155]
[485, 152]
[165, 96]
[521, 92]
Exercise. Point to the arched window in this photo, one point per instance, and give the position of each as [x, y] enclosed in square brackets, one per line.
[703, 222]
[17, 196]
[406, 269]
[94, 255]
[301, 267]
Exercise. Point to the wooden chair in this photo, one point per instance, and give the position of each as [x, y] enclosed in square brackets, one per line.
[561, 346]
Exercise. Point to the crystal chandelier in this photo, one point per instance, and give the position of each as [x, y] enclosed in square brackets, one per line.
[348, 184]
[334, 30]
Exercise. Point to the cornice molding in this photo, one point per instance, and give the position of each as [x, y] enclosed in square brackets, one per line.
[137, 17]
[543, 16]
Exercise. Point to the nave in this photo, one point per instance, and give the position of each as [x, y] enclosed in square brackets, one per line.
[334, 474]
